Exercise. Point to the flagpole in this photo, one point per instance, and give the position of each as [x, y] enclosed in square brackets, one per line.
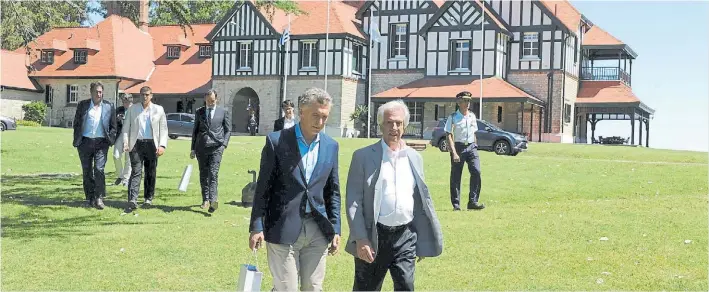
[287, 65]
[482, 58]
[327, 40]
[369, 75]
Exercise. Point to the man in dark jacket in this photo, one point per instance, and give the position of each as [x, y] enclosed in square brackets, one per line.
[286, 121]
[122, 169]
[94, 132]
[212, 129]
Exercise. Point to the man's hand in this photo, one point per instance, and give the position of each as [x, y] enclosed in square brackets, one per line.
[334, 245]
[192, 155]
[365, 251]
[255, 240]
[456, 158]
[125, 147]
[160, 151]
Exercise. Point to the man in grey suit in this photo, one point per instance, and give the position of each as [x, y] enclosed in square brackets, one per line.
[212, 130]
[389, 209]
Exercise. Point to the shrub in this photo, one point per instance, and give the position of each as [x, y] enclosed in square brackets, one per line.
[35, 111]
[26, 123]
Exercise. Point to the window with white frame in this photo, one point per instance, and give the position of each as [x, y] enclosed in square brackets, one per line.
[460, 55]
[398, 40]
[80, 56]
[73, 93]
[47, 57]
[415, 110]
[245, 57]
[205, 51]
[357, 58]
[530, 45]
[48, 95]
[173, 52]
[309, 53]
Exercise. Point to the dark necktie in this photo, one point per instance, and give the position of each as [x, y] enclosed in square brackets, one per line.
[209, 115]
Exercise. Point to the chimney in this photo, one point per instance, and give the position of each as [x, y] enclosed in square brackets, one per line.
[143, 14]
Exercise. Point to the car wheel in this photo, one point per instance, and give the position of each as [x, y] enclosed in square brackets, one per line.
[443, 145]
[501, 147]
[2, 127]
[173, 137]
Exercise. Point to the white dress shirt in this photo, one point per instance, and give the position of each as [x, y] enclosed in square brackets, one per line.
[397, 190]
[287, 123]
[462, 127]
[92, 125]
[146, 130]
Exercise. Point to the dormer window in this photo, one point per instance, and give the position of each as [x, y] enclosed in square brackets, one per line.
[47, 57]
[173, 52]
[205, 51]
[80, 56]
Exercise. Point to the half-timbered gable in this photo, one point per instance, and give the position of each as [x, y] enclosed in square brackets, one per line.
[400, 46]
[454, 41]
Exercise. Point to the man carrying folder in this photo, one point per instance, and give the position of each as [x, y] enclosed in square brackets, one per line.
[212, 129]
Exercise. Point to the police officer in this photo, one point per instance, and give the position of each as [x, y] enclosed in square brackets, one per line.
[460, 128]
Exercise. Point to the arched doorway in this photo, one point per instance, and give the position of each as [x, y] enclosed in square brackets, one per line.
[245, 103]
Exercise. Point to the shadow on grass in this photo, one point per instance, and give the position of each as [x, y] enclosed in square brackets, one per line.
[170, 209]
[32, 224]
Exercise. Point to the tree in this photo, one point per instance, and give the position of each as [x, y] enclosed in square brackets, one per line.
[35, 111]
[24, 21]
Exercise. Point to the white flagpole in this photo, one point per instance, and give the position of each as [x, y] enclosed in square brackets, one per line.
[287, 64]
[482, 52]
[327, 40]
[369, 75]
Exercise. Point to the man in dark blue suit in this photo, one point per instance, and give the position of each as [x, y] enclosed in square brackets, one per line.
[297, 200]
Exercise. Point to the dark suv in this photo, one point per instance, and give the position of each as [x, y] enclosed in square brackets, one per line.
[489, 138]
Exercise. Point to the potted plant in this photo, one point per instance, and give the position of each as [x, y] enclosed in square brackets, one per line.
[359, 117]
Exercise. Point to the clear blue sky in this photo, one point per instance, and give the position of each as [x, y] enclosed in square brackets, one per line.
[671, 73]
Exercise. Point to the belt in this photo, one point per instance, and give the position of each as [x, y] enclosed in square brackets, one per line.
[466, 144]
[388, 228]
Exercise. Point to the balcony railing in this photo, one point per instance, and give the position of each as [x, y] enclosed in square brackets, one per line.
[605, 74]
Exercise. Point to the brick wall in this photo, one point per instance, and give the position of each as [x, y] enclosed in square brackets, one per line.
[268, 90]
[11, 102]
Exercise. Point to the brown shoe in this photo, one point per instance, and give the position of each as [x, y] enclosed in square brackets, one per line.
[205, 205]
[99, 204]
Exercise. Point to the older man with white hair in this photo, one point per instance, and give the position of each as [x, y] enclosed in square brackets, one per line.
[389, 209]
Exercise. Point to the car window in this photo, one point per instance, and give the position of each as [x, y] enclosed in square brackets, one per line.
[187, 118]
[441, 123]
[173, 117]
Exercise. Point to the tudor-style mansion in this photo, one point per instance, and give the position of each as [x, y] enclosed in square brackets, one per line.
[545, 70]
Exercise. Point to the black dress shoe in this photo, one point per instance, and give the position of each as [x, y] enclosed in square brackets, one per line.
[475, 206]
[99, 204]
[456, 208]
[132, 205]
[213, 206]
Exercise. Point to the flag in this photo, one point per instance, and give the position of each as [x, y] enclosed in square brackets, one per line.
[285, 37]
[374, 33]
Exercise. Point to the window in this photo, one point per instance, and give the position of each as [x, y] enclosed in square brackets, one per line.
[567, 113]
[357, 58]
[187, 118]
[398, 40]
[245, 57]
[80, 56]
[460, 55]
[416, 111]
[173, 52]
[48, 95]
[47, 57]
[205, 51]
[499, 114]
[530, 47]
[173, 117]
[73, 93]
[309, 55]
[439, 112]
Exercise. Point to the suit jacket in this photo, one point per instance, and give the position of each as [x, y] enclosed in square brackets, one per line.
[280, 190]
[219, 127]
[121, 114]
[363, 202]
[108, 121]
[158, 123]
[278, 124]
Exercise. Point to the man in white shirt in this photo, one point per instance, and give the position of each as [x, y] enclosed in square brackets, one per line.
[386, 188]
[145, 137]
[460, 128]
[288, 120]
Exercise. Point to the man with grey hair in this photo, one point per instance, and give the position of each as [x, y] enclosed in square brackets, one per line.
[297, 199]
[389, 209]
[122, 169]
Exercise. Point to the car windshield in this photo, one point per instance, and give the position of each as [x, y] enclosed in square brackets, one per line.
[490, 125]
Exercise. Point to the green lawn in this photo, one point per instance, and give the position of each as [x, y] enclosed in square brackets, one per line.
[546, 212]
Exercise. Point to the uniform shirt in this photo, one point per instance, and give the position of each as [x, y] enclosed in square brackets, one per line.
[462, 127]
[397, 191]
[92, 124]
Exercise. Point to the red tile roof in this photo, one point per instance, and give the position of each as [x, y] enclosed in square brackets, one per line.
[117, 48]
[342, 19]
[598, 37]
[189, 73]
[565, 12]
[448, 87]
[605, 92]
[14, 71]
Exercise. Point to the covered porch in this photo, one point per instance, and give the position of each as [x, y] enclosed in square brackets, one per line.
[431, 99]
[611, 101]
